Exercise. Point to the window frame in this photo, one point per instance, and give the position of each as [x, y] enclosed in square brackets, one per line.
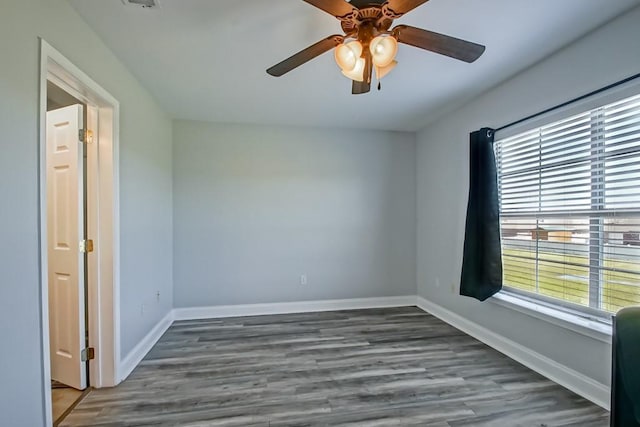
[535, 303]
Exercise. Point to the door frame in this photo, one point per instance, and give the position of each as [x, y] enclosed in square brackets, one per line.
[103, 209]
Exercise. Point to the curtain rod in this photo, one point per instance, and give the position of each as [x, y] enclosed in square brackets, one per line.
[564, 104]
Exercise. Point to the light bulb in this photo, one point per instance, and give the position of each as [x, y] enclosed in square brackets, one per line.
[347, 55]
[357, 73]
[383, 71]
[383, 50]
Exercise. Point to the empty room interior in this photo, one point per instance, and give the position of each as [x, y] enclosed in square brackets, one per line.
[320, 213]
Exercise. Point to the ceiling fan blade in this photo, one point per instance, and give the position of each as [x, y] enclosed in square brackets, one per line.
[337, 8]
[359, 88]
[305, 55]
[400, 7]
[438, 43]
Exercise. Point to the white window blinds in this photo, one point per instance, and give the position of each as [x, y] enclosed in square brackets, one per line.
[570, 208]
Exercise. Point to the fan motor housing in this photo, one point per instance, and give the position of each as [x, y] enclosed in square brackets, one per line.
[370, 12]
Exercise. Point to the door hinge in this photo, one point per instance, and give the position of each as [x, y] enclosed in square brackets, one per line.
[86, 246]
[88, 353]
[85, 135]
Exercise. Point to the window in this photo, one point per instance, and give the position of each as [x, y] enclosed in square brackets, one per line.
[570, 208]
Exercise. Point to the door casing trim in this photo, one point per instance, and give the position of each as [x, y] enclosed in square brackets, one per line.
[104, 278]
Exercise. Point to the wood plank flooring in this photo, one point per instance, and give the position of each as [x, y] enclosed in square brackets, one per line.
[381, 367]
[62, 399]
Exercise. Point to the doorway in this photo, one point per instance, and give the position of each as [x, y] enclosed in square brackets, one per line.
[79, 232]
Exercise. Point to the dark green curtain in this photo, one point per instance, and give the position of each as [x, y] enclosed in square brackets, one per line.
[625, 379]
[482, 259]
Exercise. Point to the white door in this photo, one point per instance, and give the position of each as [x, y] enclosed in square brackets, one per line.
[65, 225]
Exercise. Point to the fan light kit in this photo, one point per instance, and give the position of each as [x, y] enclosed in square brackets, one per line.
[370, 45]
[383, 52]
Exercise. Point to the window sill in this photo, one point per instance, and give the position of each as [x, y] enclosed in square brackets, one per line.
[600, 331]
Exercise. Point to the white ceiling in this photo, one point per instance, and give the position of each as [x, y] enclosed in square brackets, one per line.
[206, 59]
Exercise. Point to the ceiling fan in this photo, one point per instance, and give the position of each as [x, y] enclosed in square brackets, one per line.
[373, 43]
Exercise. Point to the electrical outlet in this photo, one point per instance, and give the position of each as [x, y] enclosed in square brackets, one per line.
[142, 309]
[437, 282]
[303, 279]
[454, 287]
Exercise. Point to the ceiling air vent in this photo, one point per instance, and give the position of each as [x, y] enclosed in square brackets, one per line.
[145, 4]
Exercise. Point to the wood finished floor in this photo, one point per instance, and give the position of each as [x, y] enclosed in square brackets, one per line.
[382, 367]
[62, 399]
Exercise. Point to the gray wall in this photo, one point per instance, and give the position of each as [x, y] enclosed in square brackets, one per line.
[597, 60]
[256, 207]
[145, 173]
[146, 217]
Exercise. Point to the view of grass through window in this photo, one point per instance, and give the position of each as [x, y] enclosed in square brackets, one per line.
[560, 279]
[570, 208]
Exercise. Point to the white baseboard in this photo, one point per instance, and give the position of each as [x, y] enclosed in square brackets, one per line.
[135, 356]
[212, 312]
[575, 381]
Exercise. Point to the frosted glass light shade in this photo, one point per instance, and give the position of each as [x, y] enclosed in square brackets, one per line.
[357, 73]
[383, 71]
[383, 50]
[348, 55]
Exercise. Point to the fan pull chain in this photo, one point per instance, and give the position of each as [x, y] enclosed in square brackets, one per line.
[379, 86]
